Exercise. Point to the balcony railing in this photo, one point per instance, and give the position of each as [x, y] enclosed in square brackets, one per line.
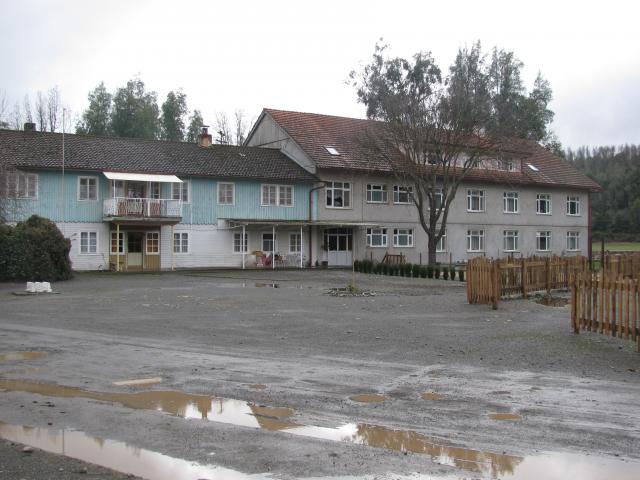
[142, 208]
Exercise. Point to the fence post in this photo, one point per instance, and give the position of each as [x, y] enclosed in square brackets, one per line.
[547, 267]
[523, 277]
[496, 284]
[574, 305]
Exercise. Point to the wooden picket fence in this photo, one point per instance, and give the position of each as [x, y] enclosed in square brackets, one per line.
[606, 303]
[489, 280]
[626, 264]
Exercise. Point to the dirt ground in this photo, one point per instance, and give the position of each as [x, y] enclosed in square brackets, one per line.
[507, 394]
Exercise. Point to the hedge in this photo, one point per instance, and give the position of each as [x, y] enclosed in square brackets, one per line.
[34, 250]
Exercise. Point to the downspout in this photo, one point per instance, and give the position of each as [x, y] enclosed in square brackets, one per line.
[589, 246]
[318, 187]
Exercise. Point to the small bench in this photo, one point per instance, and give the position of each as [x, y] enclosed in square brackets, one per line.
[393, 259]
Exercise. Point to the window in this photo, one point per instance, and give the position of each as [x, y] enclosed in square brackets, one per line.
[376, 193]
[153, 243]
[543, 204]
[402, 194]
[239, 244]
[117, 245]
[88, 188]
[226, 193]
[438, 198]
[88, 242]
[506, 165]
[543, 241]
[338, 194]
[475, 200]
[22, 185]
[295, 243]
[181, 242]
[510, 241]
[573, 205]
[180, 191]
[332, 150]
[376, 237]
[154, 190]
[117, 189]
[475, 240]
[268, 245]
[403, 237]
[441, 246]
[573, 241]
[273, 195]
[510, 202]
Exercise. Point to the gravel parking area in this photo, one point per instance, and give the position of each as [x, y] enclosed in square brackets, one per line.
[442, 370]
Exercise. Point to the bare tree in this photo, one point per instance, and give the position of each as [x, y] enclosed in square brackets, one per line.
[4, 106]
[41, 112]
[241, 127]
[26, 105]
[17, 118]
[53, 108]
[223, 130]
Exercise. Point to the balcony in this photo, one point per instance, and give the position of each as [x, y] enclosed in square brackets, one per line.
[142, 210]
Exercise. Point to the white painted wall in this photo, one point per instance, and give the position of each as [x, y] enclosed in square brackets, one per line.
[79, 261]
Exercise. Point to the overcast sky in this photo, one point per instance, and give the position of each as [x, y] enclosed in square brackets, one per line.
[297, 55]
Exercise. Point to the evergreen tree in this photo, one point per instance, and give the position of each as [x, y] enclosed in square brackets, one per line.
[195, 125]
[96, 119]
[174, 109]
[135, 111]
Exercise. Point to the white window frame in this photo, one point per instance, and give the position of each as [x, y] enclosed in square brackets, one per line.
[441, 246]
[111, 235]
[480, 195]
[331, 190]
[575, 200]
[377, 188]
[295, 243]
[271, 195]
[573, 236]
[236, 242]
[513, 235]
[402, 190]
[13, 185]
[97, 189]
[543, 198]
[374, 233]
[539, 236]
[233, 193]
[181, 236]
[88, 252]
[396, 236]
[146, 243]
[515, 198]
[479, 233]
[438, 194]
[185, 185]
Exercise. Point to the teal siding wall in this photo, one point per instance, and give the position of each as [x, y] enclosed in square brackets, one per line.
[203, 208]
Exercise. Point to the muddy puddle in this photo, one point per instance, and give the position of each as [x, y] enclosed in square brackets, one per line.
[551, 301]
[257, 386]
[369, 398]
[505, 416]
[431, 396]
[138, 382]
[241, 413]
[14, 356]
[117, 456]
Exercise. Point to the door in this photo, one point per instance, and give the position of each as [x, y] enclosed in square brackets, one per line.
[134, 250]
[339, 245]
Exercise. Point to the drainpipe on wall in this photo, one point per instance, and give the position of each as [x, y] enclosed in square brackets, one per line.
[318, 187]
[589, 247]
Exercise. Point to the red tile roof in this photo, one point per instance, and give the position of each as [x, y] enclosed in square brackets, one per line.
[314, 132]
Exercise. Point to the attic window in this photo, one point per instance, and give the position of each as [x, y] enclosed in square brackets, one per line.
[332, 151]
[533, 167]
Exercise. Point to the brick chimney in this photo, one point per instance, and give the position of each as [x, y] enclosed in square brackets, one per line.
[29, 127]
[205, 139]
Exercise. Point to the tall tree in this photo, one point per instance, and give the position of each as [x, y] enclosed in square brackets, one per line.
[240, 127]
[135, 111]
[41, 112]
[96, 119]
[54, 108]
[26, 105]
[174, 109]
[4, 106]
[433, 130]
[223, 130]
[195, 125]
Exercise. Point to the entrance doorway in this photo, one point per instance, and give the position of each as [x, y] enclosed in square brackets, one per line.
[134, 249]
[339, 245]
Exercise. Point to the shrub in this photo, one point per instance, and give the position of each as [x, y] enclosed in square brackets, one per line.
[423, 271]
[356, 265]
[34, 250]
[445, 273]
[452, 272]
[436, 272]
[461, 275]
[429, 271]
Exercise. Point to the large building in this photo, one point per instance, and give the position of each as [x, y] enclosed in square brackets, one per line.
[536, 203]
[130, 204]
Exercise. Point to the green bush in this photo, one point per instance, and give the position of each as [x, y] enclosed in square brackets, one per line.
[429, 271]
[356, 265]
[445, 273]
[423, 271]
[436, 272]
[452, 272]
[34, 250]
[461, 275]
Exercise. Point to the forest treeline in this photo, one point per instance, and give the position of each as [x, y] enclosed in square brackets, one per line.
[616, 210]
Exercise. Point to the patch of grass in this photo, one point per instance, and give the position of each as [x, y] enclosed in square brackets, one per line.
[617, 246]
